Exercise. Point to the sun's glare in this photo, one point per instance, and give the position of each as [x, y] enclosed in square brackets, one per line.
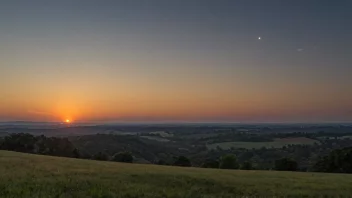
[68, 121]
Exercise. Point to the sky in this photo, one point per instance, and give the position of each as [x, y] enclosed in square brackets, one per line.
[176, 60]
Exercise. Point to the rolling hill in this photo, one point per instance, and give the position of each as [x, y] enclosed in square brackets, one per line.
[26, 175]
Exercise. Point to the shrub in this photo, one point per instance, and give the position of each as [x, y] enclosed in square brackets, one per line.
[228, 162]
[286, 164]
[210, 164]
[182, 161]
[123, 157]
[247, 166]
[100, 156]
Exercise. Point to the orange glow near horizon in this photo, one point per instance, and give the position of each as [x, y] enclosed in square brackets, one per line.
[204, 63]
[87, 107]
[84, 101]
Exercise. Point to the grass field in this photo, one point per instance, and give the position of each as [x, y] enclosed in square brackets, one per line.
[277, 143]
[24, 175]
[162, 134]
[340, 138]
[159, 139]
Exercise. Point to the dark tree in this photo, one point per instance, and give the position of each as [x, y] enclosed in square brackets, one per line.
[247, 165]
[182, 161]
[286, 164]
[210, 164]
[161, 162]
[123, 157]
[27, 143]
[100, 156]
[228, 162]
[76, 153]
[338, 161]
[84, 155]
[20, 142]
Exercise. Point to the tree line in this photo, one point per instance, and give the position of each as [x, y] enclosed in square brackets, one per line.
[54, 146]
[337, 161]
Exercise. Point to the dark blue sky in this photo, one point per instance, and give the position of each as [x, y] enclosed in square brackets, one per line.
[176, 60]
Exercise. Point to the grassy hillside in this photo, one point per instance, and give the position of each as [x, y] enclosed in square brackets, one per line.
[24, 175]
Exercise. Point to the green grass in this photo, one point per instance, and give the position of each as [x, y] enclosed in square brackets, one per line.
[277, 143]
[25, 175]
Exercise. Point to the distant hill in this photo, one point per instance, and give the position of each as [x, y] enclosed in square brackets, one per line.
[26, 175]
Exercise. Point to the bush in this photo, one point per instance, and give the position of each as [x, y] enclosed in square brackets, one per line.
[247, 166]
[286, 164]
[161, 162]
[228, 162]
[100, 156]
[182, 161]
[210, 164]
[123, 157]
[76, 153]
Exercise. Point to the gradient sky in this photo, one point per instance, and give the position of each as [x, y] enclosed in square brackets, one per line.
[176, 60]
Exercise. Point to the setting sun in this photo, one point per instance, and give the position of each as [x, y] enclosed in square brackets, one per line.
[68, 121]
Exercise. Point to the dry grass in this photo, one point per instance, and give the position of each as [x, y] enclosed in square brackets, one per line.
[24, 175]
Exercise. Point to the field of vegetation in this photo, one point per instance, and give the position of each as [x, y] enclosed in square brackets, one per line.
[28, 175]
[340, 137]
[277, 143]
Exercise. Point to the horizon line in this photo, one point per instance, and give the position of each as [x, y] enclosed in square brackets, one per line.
[177, 122]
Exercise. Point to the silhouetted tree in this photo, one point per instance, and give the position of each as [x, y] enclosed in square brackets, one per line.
[20, 142]
[286, 164]
[247, 166]
[100, 156]
[27, 143]
[161, 162]
[228, 162]
[210, 164]
[338, 161]
[123, 157]
[182, 161]
[76, 153]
